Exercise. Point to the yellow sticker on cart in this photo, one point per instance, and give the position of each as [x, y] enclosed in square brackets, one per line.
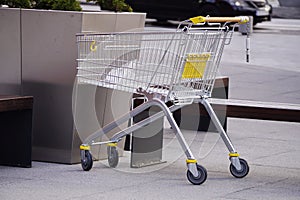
[195, 65]
[93, 46]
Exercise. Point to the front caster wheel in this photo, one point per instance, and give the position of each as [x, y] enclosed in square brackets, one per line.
[87, 161]
[201, 178]
[113, 156]
[242, 172]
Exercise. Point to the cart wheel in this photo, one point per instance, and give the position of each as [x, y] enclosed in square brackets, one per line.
[201, 178]
[87, 162]
[113, 156]
[240, 173]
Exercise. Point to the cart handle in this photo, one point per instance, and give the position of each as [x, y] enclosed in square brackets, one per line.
[201, 19]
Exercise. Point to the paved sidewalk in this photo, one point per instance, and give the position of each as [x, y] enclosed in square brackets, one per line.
[272, 149]
[273, 73]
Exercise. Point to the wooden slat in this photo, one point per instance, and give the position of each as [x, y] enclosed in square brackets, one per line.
[258, 110]
[9, 103]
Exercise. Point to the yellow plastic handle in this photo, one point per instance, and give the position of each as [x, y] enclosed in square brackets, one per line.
[201, 19]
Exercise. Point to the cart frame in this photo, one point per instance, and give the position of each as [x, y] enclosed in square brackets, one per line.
[189, 79]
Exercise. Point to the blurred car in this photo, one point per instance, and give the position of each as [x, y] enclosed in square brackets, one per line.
[163, 10]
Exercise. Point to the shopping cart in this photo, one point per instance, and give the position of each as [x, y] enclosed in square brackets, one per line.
[178, 66]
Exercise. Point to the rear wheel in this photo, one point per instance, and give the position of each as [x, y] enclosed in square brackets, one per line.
[87, 161]
[210, 10]
[161, 20]
[113, 156]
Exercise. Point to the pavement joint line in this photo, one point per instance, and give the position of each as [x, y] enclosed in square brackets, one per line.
[277, 181]
[245, 189]
[257, 186]
[273, 166]
[264, 138]
[274, 154]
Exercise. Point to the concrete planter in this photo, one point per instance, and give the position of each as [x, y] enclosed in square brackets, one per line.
[38, 57]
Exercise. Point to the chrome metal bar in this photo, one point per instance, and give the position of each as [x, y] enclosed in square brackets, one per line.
[117, 122]
[142, 123]
[218, 125]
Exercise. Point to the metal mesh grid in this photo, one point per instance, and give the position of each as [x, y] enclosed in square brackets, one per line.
[152, 61]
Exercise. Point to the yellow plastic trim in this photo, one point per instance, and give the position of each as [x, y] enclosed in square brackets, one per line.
[198, 19]
[93, 46]
[195, 65]
[85, 147]
[234, 155]
[191, 161]
[113, 144]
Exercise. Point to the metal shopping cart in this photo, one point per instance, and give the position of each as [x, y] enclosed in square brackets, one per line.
[178, 66]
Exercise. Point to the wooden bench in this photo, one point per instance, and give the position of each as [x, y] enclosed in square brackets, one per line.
[257, 110]
[225, 108]
[16, 130]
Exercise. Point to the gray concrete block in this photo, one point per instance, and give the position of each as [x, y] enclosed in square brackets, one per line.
[10, 54]
[49, 55]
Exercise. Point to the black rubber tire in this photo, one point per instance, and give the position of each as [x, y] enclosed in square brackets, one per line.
[113, 156]
[210, 10]
[161, 20]
[240, 173]
[87, 162]
[201, 178]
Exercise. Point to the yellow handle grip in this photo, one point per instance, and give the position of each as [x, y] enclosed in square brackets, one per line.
[201, 19]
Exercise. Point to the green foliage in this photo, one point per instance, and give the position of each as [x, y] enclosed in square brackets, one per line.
[66, 5]
[58, 4]
[16, 3]
[114, 5]
[43, 4]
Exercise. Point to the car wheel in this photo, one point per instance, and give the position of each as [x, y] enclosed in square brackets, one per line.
[210, 10]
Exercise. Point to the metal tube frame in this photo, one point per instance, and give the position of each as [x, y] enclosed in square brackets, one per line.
[233, 159]
[218, 125]
[153, 102]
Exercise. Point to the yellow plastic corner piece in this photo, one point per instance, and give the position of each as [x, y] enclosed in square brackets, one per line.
[191, 161]
[234, 155]
[195, 65]
[112, 144]
[85, 147]
[198, 19]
